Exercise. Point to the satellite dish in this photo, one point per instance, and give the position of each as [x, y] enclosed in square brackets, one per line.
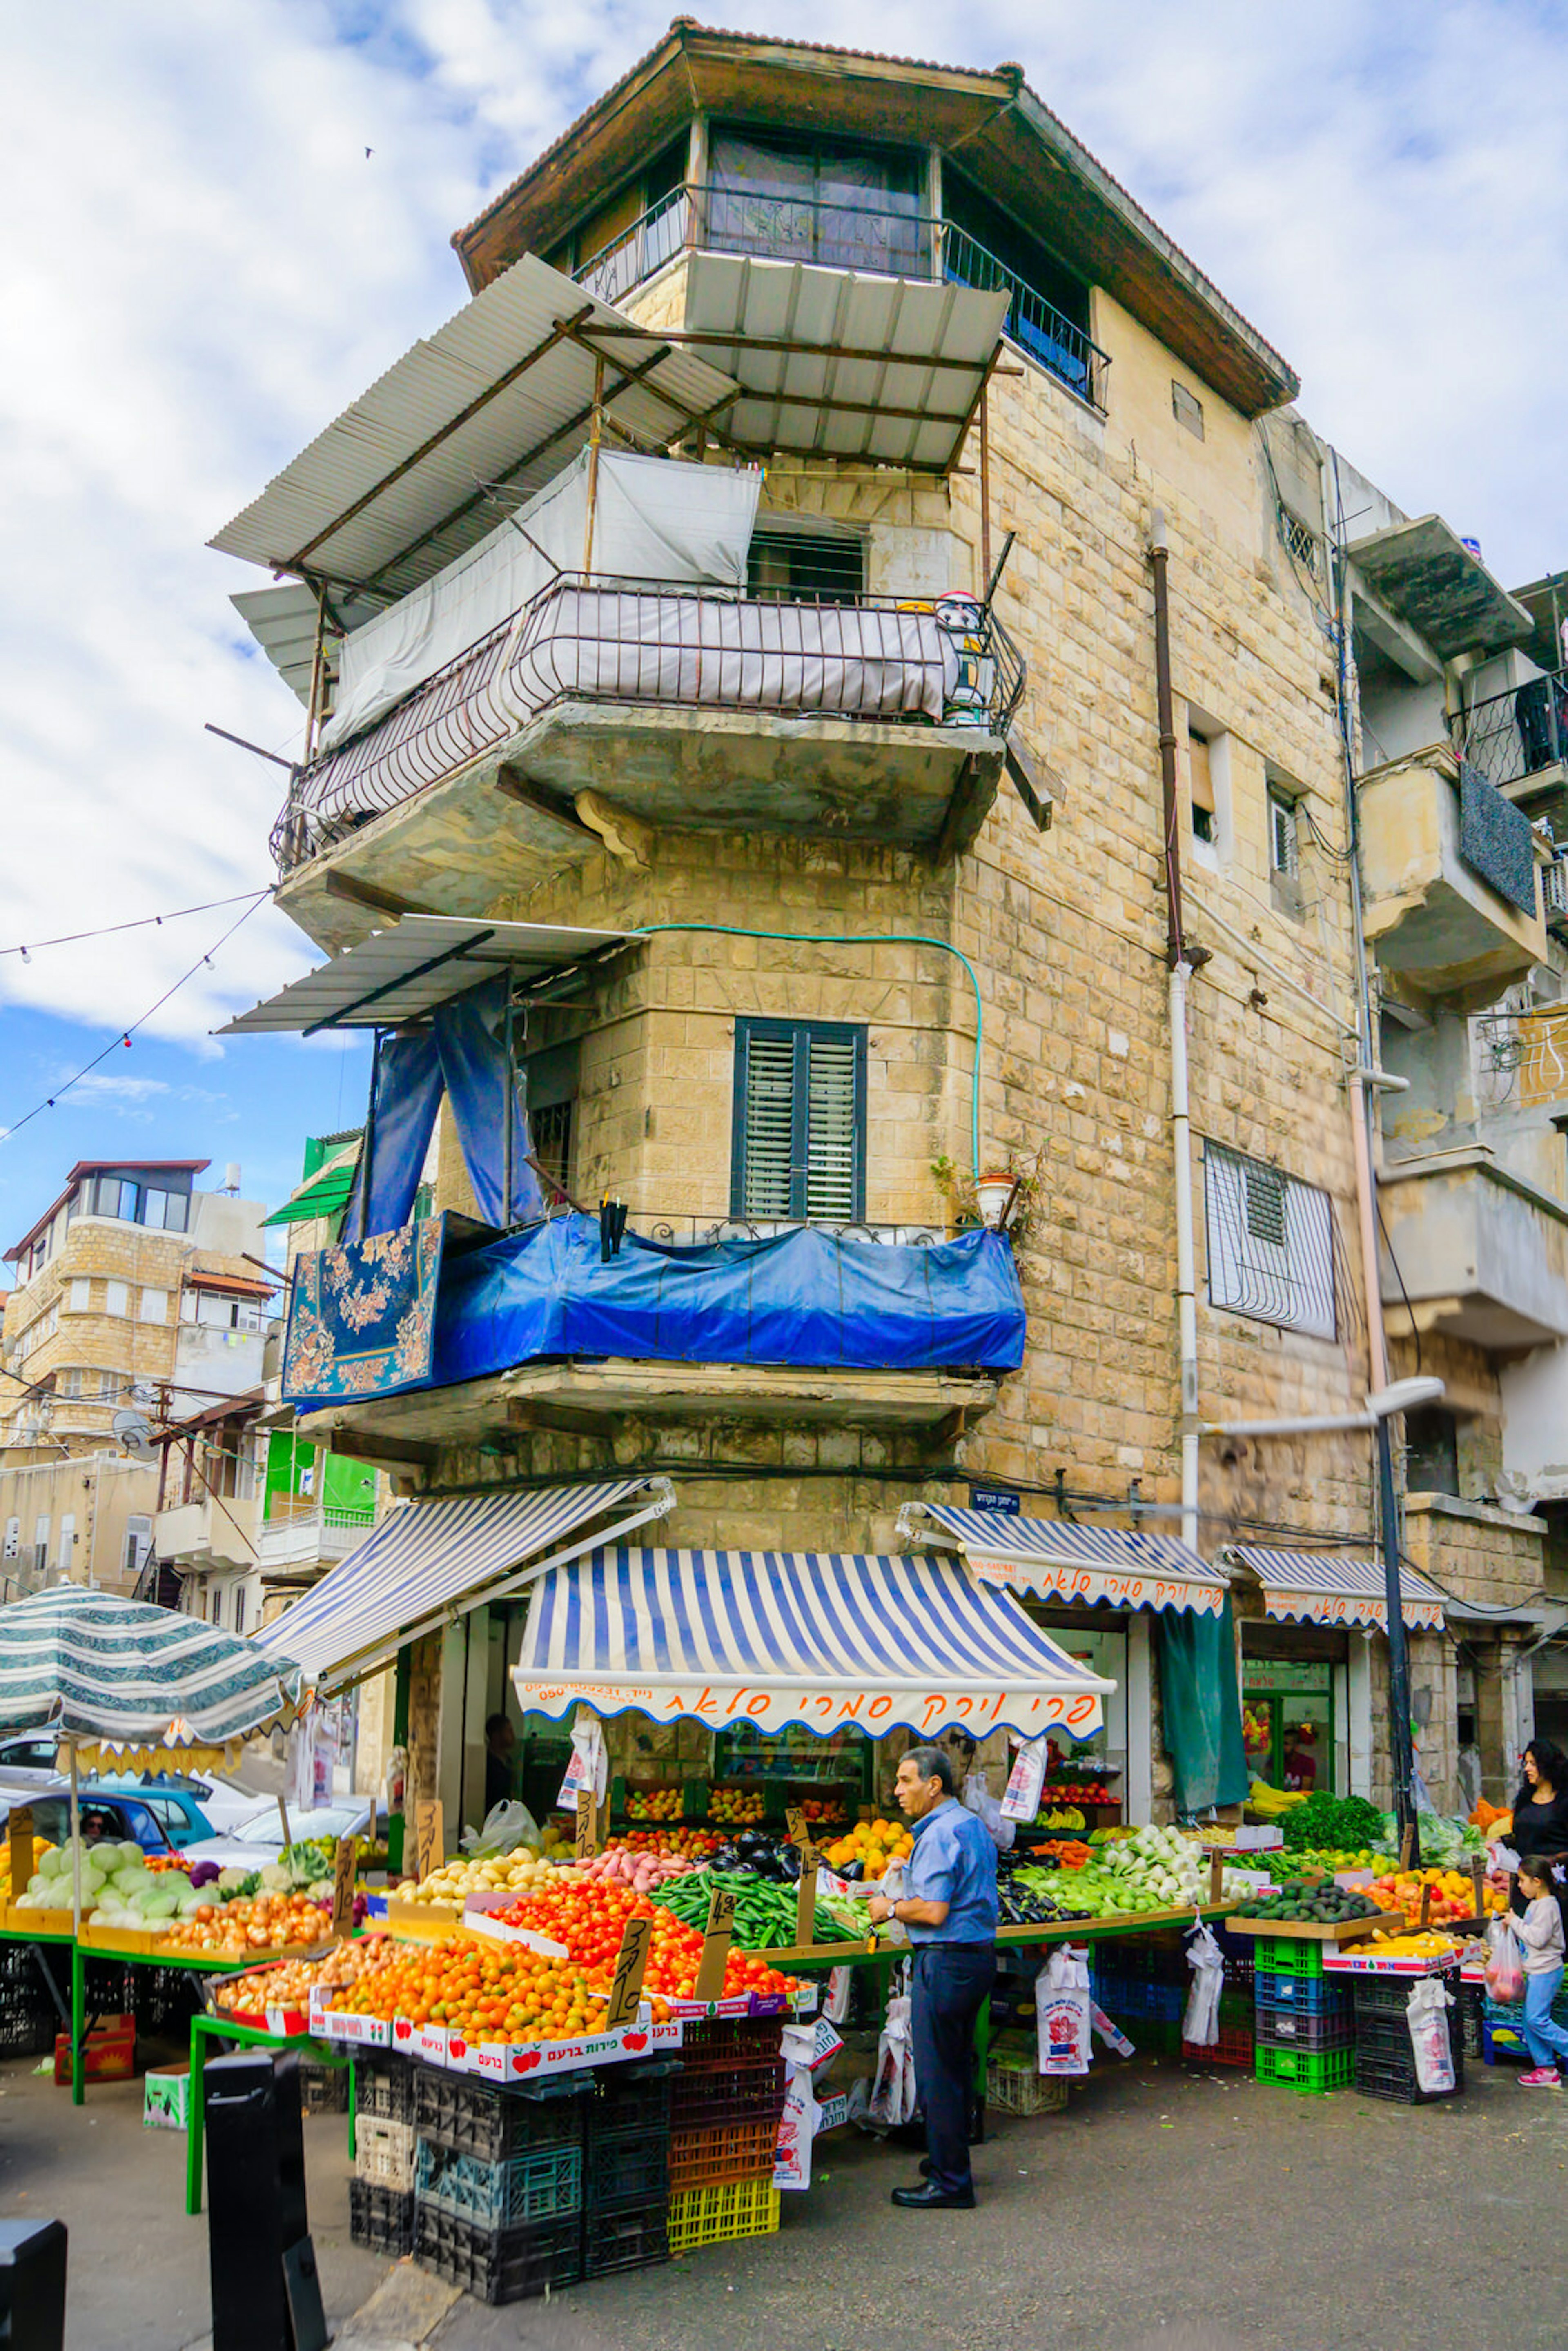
[134, 1436]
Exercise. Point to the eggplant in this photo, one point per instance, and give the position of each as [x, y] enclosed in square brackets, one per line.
[853, 1872]
[789, 1863]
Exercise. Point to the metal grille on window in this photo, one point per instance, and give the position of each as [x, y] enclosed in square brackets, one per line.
[797, 567]
[1270, 1243]
[551, 1129]
[1283, 847]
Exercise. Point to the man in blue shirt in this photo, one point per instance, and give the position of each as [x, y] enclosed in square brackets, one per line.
[950, 1913]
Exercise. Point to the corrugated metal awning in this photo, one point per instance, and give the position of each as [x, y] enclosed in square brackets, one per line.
[920, 354]
[432, 1561]
[1316, 1589]
[283, 622]
[413, 964]
[770, 1638]
[1060, 1561]
[470, 421]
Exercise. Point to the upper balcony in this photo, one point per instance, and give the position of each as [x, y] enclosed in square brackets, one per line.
[552, 1326]
[210, 1531]
[1519, 741]
[1473, 1250]
[299, 1532]
[1452, 900]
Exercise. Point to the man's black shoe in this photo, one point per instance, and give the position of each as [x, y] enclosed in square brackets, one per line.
[934, 2200]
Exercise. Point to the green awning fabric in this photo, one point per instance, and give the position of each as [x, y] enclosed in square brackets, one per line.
[324, 1197]
[1200, 1698]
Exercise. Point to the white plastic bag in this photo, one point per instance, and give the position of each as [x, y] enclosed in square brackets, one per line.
[1111, 2034]
[1061, 2008]
[506, 1825]
[892, 2093]
[1025, 1782]
[1505, 1968]
[978, 1799]
[1200, 2025]
[1426, 2010]
[589, 1771]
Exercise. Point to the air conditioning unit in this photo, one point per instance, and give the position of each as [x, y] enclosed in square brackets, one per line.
[1554, 896]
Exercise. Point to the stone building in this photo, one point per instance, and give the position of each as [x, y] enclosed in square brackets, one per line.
[792, 944]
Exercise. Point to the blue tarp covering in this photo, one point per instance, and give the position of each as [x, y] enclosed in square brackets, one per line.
[805, 1298]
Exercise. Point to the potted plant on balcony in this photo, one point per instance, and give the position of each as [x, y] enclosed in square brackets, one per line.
[1004, 1194]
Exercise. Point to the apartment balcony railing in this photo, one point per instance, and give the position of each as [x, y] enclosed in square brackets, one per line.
[866, 659]
[884, 241]
[1522, 733]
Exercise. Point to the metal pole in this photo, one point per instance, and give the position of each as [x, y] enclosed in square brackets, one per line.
[595, 435]
[509, 1081]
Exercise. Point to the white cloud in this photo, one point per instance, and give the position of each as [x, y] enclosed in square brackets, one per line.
[202, 265]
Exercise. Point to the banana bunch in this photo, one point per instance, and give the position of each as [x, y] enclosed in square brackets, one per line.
[1272, 1803]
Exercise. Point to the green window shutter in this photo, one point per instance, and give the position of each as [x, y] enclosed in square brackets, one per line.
[798, 1145]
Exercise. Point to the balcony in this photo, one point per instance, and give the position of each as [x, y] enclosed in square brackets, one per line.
[1519, 741]
[1452, 903]
[1476, 1251]
[1484, 1557]
[297, 1533]
[211, 1531]
[858, 718]
[849, 1326]
[869, 240]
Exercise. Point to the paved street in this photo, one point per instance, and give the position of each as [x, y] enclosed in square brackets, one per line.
[1163, 2212]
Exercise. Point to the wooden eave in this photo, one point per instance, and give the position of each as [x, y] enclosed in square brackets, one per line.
[996, 129]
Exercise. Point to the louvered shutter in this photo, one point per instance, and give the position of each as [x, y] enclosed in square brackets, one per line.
[769, 1121]
[800, 1123]
[831, 1129]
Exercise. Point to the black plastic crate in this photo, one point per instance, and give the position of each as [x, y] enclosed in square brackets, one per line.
[165, 1999]
[632, 2097]
[323, 2089]
[384, 2088]
[633, 2239]
[731, 2041]
[629, 2168]
[1385, 2060]
[1390, 1995]
[28, 2020]
[1468, 2009]
[1293, 2028]
[476, 2118]
[499, 2264]
[732, 2093]
[381, 2218]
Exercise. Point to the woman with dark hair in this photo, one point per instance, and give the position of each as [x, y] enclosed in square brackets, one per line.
[1540, 1830]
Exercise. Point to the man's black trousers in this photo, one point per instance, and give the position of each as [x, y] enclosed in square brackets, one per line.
[951, 1982]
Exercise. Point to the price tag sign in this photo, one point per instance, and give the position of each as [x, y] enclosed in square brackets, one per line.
[626, 1988]
[806, 1899]
[587, 1824]
[430, 1840]
[716, 1945]
[21, 1850]
[343, 1884]
[283, 1816]
[1477, 1888]
[1216, 1877]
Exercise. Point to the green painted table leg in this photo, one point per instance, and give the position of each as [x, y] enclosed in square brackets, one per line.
[353, 2108]
[195, 2118]
[79, 2004]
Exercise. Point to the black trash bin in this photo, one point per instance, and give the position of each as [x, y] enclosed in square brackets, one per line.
[266, 2294]
[33, 2284]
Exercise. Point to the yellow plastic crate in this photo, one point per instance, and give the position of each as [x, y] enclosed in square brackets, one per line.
[716, 2216]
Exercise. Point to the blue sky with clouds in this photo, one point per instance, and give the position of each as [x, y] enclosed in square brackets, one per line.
[202, 266]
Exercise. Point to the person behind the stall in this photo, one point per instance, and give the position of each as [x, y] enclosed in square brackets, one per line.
[500, 1751]
[1539, 1831]
[950, 1913]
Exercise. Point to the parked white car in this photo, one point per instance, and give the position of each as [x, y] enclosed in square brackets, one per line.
[260, 1838]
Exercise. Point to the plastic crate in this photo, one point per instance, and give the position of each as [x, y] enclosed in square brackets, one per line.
[631, 2097]
[1314, 1995]
[632, 2237]
[1019, 2089]
[383, 2152]
[498, 2265]
[475, 2118]
[1239, 1953]
[630, 2167]
[383, 2087]
[28, 2018]
[1283, 1955]
[719, 2216]
[1379, 2077]
[1235, 2046]
[706, 2158]
[540, 2184]
[1467, 2009]
[730, 2041]
[165, 2000]
[1311, 2028]
[1306, 2070]
[1132, 1996]
[732, 2093]
[1387, 2037]
[323, 2089]
[1503, 2044]
[381, 2218]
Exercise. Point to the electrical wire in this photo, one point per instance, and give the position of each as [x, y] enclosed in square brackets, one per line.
[142, 923]
[124, 1036]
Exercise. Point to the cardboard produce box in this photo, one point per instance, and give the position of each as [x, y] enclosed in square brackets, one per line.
[166, 2101]
[108, 2053]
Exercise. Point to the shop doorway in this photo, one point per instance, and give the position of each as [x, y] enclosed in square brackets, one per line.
[1287, 1725]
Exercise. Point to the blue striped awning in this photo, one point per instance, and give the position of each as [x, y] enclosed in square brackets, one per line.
[1319, 1589]
[1060, 1561]
[828, 1639]
[430, 1560]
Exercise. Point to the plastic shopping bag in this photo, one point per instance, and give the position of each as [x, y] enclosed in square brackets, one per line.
[893, 2092]
[1505, 1968]
[1200, 2025]
[1025, 1782]
[506, 1826]
[1426, 2010]
[978, 1799]
[1061, 2008]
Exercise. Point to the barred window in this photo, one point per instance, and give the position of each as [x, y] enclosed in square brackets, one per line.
[1270, 1243]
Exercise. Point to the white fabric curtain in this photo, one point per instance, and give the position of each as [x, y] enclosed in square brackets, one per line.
[655, 518]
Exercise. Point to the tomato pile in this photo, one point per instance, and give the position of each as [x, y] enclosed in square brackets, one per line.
[691, 1845]
[590, 1916]
[497, 1992]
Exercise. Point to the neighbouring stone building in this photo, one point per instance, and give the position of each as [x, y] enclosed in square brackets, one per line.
[825, 954]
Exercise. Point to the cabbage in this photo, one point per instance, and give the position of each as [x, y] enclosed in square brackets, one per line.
[128, 1849]
[161, 1905]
